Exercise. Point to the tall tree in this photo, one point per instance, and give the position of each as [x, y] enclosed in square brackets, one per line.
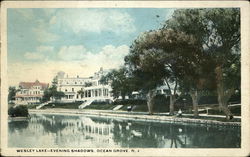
[162, 55]
[197, 76]
[218, 34]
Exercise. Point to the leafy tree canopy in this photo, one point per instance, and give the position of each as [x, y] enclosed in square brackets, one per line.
[121, 83]
[162, 54]
[12, 93]
[52, 92]
[217, 32]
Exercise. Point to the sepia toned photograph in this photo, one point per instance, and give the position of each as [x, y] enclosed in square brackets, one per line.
[123, 78]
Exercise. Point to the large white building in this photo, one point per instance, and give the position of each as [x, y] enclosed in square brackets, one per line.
[84, 88]
[30, 92]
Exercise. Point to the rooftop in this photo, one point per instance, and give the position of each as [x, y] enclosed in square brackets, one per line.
[28, 85]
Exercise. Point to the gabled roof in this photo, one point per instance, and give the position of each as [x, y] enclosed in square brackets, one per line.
[28, 85]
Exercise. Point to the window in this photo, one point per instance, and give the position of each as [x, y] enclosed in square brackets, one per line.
[66, 90]
[96, 93]
[89, 93]
[72, 89]
[100, 92]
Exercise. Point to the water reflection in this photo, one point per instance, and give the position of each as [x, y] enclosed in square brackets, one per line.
[47, 130]
[18, 125]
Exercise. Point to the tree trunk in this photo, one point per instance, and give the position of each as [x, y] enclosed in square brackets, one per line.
[171, 106]
[195, 98]
[150, 104]
[123, 96]
[172, 96]
[223, 95]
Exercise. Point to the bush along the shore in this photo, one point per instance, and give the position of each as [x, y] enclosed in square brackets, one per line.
[18, 111]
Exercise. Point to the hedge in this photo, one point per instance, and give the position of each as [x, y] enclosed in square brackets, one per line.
[18, 111]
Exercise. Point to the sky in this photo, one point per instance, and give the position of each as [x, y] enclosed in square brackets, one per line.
[41, 42]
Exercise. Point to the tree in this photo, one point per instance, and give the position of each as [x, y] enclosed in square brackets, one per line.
[161, 56]
[12, 93]
[52, 93]
[197, 77]
[218, 34]
[58, 95]
[88, 84]
[46, 95]
[80, 92]
[120, 81]
[18, 111]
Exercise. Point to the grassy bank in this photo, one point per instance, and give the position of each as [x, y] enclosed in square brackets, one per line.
[68, 105]
[136, 108]
[142, 107]
[100, 106]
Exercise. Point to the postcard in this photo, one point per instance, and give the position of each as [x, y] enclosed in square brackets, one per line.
[125, 78]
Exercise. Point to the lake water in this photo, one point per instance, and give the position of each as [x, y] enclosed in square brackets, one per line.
[71, 131]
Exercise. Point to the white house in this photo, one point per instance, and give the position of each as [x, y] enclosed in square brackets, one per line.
[30, 92]
[84, 88]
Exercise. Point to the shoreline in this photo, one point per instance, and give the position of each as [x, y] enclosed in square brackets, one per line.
[18, 118]
[134, 116]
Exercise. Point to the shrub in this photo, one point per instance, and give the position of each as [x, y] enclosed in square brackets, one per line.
[161, 103]
[235, 98]
[102, 102]
[208, 100]
[11, 111]
[68, 105]
[18, 111]
[130, 102]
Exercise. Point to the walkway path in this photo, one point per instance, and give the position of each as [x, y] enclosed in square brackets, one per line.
[117, 107]
[43, 104]
[86, 103]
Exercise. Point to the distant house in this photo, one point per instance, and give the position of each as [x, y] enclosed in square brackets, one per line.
[30, 92]
[84, 88]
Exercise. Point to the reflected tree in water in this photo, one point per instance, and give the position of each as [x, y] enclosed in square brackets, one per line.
[18, 125]
[80, 131]
[51, 123]
[174, 137]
